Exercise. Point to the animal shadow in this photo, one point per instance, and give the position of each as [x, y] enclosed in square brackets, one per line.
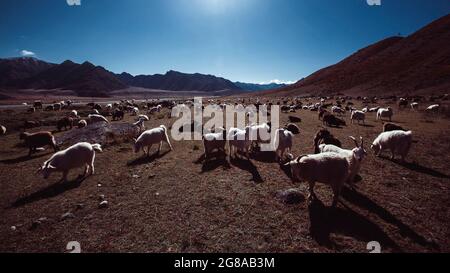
[247, 165]
[216, 160]
[22, 159]
[265, 157]
[49, 192]
[147, 159]
[327, 220]
[363, 201]
[414, 166]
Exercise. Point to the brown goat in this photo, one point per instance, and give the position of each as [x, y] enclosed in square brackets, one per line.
[38, 140]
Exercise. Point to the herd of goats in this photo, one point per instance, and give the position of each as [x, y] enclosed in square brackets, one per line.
[330, 164]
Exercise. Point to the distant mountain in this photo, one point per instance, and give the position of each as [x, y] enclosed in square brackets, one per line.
[85, 79]
[14, 69]
[177, 81]
[417, 64]
[258, 87]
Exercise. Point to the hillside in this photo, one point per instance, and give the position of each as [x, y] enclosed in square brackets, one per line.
[417, 64]
[14, 69]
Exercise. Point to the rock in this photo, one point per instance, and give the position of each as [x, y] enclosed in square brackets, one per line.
[290, 196]
[67, 215]
[103, 204]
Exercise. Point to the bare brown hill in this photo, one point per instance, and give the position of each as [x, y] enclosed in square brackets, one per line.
[417, 64]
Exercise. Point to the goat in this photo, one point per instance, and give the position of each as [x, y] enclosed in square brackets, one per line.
[213, 141]
[150, 137]
[359, 116]
[323, 136]
[64, 122]
[76, 156]
[38, 140]
[327, 168]
[283, 141]
[2, 130]
[385, 113]
[81, 124]
[97, 118]
[387, 127]
[239, 140]
[399, 142]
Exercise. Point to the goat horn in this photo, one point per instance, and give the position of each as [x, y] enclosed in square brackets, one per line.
[356, 142]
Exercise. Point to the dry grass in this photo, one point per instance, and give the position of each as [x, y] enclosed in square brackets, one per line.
[174, 202]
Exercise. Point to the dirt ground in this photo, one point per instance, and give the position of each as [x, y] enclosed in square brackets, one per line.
[174, 202]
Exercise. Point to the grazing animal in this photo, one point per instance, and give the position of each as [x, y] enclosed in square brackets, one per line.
[97, 118]
[385, 113]
[331, 120]
[323, 136]
[415, 106]
[38, 104]
[2, 130]
[354, 157]
[328, 168]
[214, 141]
[38, 140]
[73, 114]
[358, 116]
[337, 110]
[151, 137]
[49, 108]
[140, 124]
[258, 131]
[64, 122]
[31, 110]
[76, 156]
[433, 108]
[239, 141]
[294, 119]
[81, 124]
[31, 124]
[398, 142]
[322, 113]
[118, 115]
[387, 127]
[402, 103]
[283, 142]
[292, 128]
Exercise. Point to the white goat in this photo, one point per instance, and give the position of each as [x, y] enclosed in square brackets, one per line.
[97, 118]
[73, 114]
[354, 156]
[2, 130]
[150, 137]
[433, 108]
[359, 116]
[399, 142]
[76, 156]
[213, 141]
[283, 141]
[239, 140]
[337, 110]
[327, 168]
[81, 124]
[414, 106]
[385, 113]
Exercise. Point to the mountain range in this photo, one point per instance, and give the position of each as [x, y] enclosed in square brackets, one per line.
[88, 80]
[417, 64]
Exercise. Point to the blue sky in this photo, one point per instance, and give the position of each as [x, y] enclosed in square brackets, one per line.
[242, 40]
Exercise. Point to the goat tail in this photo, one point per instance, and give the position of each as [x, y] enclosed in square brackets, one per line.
[97, 147]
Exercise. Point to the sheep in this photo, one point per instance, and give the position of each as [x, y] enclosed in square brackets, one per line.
[323, 136]
[354, 157]
[135, 111]
[414, 106]
[81, 124]
[283, 142]
[433, 108]
[73, 114]
[213, 141]
[2, 130]
[97, 118]
[64, 122]
[118, 114]
[76, 156]
[331, 120]
[385, 113]
[292, 128]
[399, 142]
[38, 140]
[31, 124]
[387, 127]
[359, 116]
[150, 137]
[239, 140]
[337, 110]
[257, 130]
[327, 168]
